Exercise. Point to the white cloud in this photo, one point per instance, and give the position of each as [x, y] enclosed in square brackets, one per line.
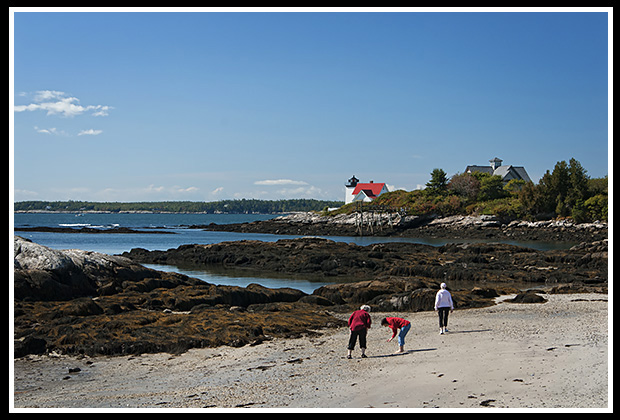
[280, 182]
[217, 190]
[185, 190]
[103, 111]
[301, 192]
[44, 95]
[52, 130]
[90, 132]
[153, 188]
[57, 103]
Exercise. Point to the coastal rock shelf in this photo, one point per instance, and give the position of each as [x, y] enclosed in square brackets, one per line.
[453, 227]
[473, 263]
[81, 302]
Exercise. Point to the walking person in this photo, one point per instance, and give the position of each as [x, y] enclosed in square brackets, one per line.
[394, 324]
[359, 323]
[443, 305]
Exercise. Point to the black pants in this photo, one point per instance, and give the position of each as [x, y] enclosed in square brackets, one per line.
[353, 338]
[443, 316]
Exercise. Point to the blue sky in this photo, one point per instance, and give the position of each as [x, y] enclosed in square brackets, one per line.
[206, 106]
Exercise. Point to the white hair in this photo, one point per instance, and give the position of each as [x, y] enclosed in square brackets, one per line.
[365, 308]
[443, 285]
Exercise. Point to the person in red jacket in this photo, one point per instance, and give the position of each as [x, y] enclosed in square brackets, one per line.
[359, 323]
[394, 324]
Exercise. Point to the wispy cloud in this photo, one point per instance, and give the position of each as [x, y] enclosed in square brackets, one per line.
[59, 103]
[90, 132]
[53, 131]
[280, 182]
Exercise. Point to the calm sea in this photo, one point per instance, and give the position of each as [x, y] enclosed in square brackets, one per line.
[177, 224]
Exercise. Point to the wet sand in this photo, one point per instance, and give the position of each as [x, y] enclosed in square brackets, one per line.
[550, 355]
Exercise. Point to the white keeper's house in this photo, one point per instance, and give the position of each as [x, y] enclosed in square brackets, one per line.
[360, 191]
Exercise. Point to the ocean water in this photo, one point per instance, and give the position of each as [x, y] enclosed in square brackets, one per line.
[179, 233]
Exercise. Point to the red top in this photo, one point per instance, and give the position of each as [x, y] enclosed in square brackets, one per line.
[375, 189]
[359, 320]
[396, 323]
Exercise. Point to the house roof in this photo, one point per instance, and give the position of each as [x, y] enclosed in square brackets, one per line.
[371, 189]
[520, 170]
[478, 168]
[503, 171]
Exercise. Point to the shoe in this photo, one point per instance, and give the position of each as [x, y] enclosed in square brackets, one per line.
[364, 356]
[445, 329]
[441, 331]
[349, 357]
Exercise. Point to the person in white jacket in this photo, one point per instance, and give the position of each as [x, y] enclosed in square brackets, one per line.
[443, 305]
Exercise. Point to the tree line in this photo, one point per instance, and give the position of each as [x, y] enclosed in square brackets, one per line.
[243, 206]
[566, 191]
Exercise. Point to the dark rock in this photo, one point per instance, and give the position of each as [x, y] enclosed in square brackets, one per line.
[485, 292]
[528, 297]
[316, 300]
[452, 263]
[137, 313]
[29, 345]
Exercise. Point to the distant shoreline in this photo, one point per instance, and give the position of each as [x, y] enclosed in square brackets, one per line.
[135, 212]
[88, 230]
[243, 206]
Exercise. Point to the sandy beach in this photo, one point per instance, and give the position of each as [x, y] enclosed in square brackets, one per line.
[550, 355]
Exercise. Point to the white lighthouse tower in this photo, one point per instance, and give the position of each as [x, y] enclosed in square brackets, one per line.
[350, 187]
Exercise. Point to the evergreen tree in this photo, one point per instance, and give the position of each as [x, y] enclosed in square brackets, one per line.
[438, 182]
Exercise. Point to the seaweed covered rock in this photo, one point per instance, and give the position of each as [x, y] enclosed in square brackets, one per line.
[80, 302]
[452, 263]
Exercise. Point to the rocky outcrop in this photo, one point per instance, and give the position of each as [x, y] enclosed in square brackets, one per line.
[42, 273]
[75, 301]
[393, 224]
[455, 263]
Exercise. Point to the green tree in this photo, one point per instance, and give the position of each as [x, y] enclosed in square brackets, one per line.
[514, 186]
[491, 186]
[438, 182]
[532, 199]
[597, 186]
[554, 187]
[596, 207]
[577, 185]
[565, 192]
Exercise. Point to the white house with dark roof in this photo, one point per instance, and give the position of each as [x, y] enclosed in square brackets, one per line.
[507, 172]
[363, 191]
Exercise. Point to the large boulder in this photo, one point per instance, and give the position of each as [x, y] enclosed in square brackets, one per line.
[42, 273]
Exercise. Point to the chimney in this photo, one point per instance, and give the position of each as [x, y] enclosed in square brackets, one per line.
[495, 163]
